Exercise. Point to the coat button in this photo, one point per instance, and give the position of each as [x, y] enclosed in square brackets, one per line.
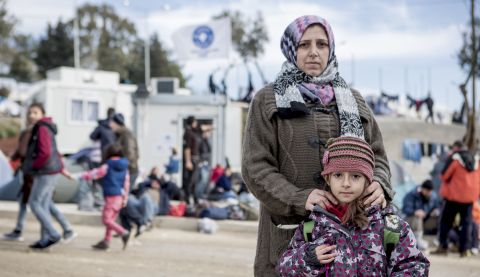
[317, 178]
[313, 142]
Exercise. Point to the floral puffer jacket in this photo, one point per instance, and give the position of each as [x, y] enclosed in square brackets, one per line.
[361, 252]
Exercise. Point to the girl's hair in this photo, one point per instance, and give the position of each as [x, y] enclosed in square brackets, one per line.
[38, 106]
[113, 150]
[356, 209]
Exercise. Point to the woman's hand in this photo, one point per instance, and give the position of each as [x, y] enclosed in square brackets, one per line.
[322, 252]
[321, 198]
[374, 195]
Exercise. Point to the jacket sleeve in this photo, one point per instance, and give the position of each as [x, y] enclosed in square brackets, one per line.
[300, 259]
[95, 135]
[406, 259]
[129, 145]
[44, 146]
[260, 168]
[95, 173]
[381, 172]
[449, 171]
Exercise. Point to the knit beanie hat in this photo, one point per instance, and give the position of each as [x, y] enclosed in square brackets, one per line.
[348, 154]
[119, 119]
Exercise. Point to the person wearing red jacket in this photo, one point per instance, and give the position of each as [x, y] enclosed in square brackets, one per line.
[460, 188]
[35, 113]
[44, 163]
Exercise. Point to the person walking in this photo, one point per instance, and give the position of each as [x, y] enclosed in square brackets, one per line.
[115, 184]
[44, 163]
[35, 112]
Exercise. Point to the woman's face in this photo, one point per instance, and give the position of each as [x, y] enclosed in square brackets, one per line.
[347, 186]
[313, 50]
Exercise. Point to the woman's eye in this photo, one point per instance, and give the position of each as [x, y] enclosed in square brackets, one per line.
[337, 175]
[302, 45]
[322, 44]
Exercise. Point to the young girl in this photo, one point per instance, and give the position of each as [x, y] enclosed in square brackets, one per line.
[347, 239]
[115, 183]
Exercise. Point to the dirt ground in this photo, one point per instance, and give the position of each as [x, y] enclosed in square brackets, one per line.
[159, 253]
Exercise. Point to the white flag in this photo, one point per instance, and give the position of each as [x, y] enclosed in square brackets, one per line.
[204, 41]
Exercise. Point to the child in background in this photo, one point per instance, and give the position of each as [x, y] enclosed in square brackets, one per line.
[347, 239]
[115, 181]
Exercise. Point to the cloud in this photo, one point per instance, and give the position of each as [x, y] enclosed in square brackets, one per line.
[371, 31]
[34, 16]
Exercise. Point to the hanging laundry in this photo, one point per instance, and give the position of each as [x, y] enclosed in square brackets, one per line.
[412, 150]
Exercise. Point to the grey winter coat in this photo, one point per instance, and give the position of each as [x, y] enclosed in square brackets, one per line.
[282, 163]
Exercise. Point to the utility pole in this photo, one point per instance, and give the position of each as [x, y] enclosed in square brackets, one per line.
[76, 38]
[471, 124]
[76, 41]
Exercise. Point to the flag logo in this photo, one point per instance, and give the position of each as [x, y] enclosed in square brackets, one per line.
[209, 40]
[203, 36]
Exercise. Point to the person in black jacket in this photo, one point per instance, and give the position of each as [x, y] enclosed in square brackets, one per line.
[103, 132]
[44, 163]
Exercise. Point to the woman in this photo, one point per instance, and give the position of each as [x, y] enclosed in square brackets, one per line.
[288, 125]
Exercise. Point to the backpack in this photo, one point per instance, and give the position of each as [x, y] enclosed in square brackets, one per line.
[391, 232]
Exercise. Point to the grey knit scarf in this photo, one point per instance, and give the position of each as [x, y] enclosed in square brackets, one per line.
[290, 101]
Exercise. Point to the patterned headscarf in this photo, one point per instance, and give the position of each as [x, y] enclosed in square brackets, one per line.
[293, 85]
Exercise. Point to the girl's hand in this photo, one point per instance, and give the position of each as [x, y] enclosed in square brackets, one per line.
[323, 255]
[321, 198]
[67, 174]
[374, 195]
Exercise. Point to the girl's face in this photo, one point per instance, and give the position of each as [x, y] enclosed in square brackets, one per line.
[34, 114]
[347, 186]
[313, 50]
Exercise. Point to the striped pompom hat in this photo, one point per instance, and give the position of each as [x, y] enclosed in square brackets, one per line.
[348, 154]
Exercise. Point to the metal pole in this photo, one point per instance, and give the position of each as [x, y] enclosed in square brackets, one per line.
[147, 55]
[147, 64]
[76, 39]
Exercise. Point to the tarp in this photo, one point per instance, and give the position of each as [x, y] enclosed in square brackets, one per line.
[6, 172]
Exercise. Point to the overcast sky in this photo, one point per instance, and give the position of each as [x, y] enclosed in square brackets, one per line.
[395, 45]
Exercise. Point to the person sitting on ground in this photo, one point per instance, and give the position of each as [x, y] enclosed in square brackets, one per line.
[115, 181]
[223, 187]
[419, 206]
